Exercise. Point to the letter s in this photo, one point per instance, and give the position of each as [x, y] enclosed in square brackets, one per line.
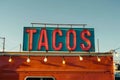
[84, 33]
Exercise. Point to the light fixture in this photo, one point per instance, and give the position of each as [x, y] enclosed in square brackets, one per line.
[63, 61]
[114, 66]
[98, 59]
[28, 59]
[45, 59]
[80, 58]
[10, 59]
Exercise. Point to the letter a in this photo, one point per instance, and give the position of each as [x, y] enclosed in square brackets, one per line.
[43, 40]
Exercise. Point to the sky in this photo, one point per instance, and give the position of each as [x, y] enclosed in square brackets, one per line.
[102, 15]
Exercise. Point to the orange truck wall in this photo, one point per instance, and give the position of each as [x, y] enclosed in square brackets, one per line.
[74, 69]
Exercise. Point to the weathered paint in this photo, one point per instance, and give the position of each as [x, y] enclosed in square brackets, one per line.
[74, 69]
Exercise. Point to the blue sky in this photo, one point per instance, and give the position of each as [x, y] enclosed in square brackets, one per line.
[103, 15]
